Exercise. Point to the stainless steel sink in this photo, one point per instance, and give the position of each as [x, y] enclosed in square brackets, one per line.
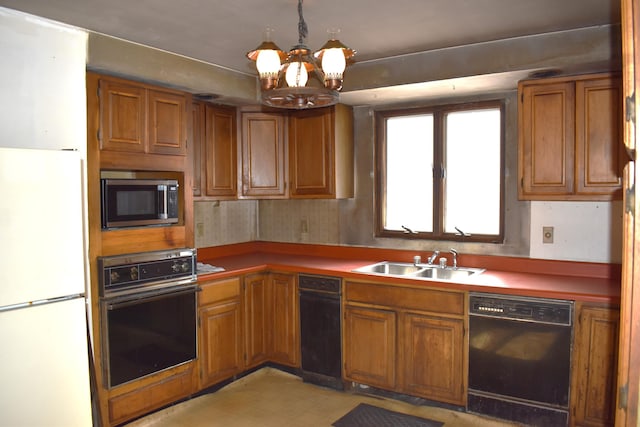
[418, 271]
[448, 273]
[390, 268]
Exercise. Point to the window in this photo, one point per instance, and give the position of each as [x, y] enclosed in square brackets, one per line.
[440, 172]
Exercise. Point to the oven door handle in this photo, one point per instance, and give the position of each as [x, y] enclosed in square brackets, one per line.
[147, 297]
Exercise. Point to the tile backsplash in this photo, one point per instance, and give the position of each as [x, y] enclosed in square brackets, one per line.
[299, 221]
[225, 222]
[293, 221]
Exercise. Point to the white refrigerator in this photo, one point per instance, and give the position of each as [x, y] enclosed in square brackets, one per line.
[44, 361]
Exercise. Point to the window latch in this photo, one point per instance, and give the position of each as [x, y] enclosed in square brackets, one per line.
[408, 230]
[462, 233]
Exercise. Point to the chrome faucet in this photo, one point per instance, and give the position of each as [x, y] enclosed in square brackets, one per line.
[433, 257]
[455, 257]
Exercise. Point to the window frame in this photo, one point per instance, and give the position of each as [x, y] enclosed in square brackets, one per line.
[439, 138]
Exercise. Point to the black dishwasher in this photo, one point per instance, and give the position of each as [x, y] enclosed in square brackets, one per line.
[520, 358]
[320, 337]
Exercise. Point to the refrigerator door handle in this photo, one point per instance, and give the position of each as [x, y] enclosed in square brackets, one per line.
[21, 305]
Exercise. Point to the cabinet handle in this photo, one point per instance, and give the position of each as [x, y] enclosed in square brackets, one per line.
[630, 107]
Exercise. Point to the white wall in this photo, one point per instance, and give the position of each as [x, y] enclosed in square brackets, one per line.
[42, 83]
[583, 231]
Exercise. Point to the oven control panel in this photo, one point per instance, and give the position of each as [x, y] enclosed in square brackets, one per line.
[144, 269]
[522, 308]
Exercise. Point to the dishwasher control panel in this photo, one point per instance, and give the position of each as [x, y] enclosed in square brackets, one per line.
[543, 310]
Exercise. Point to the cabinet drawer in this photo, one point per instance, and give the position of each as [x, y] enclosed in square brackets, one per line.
[138, 402]
[437, 301]
[219, 291]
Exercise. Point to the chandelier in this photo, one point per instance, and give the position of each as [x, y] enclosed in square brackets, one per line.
[310, 80]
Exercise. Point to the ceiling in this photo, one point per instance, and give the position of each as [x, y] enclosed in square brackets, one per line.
[220, 32]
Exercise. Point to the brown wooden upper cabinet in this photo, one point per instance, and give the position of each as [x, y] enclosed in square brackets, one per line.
[313, 159]
[321, 153]
[264, 174]
[139, 118]
[570, 138]
[215, 151]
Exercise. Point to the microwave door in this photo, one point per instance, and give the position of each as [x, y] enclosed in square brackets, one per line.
[132, 203]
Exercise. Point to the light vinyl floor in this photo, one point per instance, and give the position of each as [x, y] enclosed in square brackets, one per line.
[272, 398]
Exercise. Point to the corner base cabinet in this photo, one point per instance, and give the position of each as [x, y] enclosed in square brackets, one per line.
[271, 319]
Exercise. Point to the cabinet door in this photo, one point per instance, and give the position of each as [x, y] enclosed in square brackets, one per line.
[123, 119]
[594, 367]
[167, 123]
[220, 152]
[220, 342]
[197, 129]
[370, 346]
[599, 147]
[263, 156]
[433, 358]
[311, 145]
[285, 342]
[256, 322]
[546, 140]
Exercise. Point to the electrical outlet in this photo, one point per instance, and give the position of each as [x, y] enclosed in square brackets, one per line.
[304, 230]
[200, 229]
[547, 234]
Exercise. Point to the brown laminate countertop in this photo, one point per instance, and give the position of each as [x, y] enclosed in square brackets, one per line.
[604, 290]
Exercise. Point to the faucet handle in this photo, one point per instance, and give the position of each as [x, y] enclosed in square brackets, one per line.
[455, 257]
[433, 257]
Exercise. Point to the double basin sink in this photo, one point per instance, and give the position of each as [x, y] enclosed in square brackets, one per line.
[419, 271]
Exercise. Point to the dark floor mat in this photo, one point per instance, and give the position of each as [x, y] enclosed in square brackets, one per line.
[365, 415]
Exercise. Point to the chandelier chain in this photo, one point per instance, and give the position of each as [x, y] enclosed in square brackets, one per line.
[303, 31]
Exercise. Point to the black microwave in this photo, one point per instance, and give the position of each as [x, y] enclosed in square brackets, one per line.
[139, 202]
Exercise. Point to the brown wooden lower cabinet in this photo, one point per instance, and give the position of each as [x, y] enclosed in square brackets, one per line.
[220, 331]
[370, 346]
[593, 384]
[401, 349]
[145, 399]
[285, 330]
[432, 357]
[256, 319]
[271, 317]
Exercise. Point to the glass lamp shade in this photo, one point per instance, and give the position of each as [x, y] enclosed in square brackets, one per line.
[268, 62]
[333, 63]
[296, 75]
[268, 58]
[334, 56]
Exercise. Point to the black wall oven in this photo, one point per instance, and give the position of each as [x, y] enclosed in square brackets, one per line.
[520, 358]
[148, 313]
